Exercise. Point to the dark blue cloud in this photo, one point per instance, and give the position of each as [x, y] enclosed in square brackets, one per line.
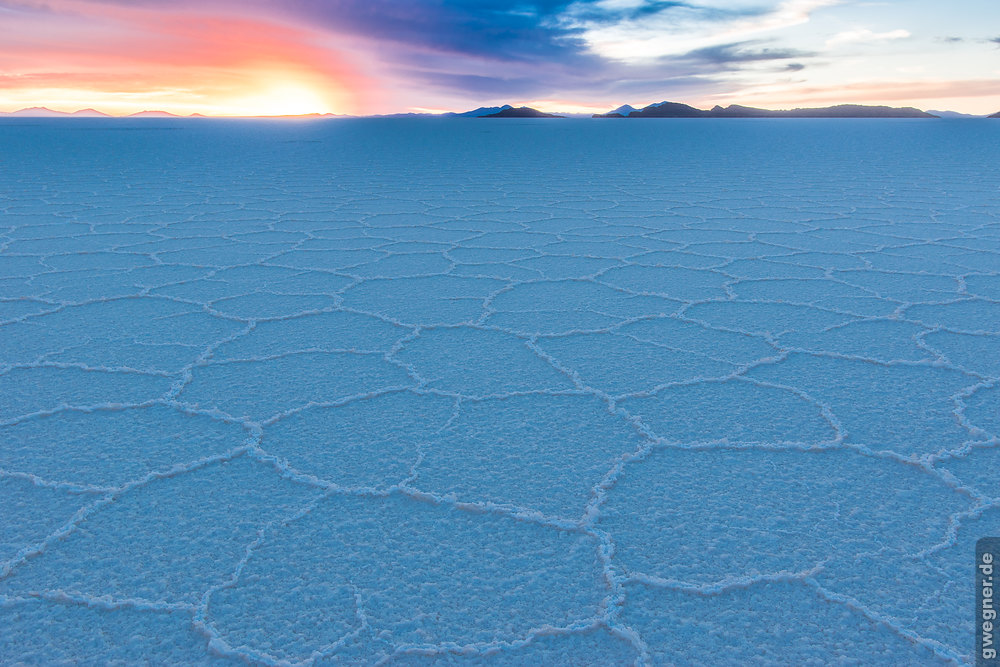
[745, 52]
[497, 29]
[594, 13]
[487, 86]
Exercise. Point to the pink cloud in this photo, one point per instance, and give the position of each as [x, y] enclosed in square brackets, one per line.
[219, 58]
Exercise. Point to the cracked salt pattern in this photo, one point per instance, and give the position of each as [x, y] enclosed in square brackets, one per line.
[429, 392]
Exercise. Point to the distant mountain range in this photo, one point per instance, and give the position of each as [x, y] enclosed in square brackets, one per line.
[954, 114]
[42, 112]
[678, 110]
[475, 113]
[154, 114]
[660, 110]
[482, 111]
[624, 110]
[520, 112]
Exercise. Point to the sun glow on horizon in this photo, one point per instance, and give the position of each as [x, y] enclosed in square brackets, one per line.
[269, 99]
[566, 106]
[283, 98]
[126, 59]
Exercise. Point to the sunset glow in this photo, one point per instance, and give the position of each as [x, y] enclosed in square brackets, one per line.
[263, 57]
[124, 59]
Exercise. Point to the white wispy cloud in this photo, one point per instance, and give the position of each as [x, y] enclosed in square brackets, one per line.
[864, 35]
[620, 31]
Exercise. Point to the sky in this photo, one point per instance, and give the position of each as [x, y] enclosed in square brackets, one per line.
[276, 57]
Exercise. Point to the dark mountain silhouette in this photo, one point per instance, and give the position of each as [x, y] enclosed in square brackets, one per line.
[475, 113]
[677, 110]
[665, 110]
[996, 115]
[620, 112]
[481, 111]
[520, 112]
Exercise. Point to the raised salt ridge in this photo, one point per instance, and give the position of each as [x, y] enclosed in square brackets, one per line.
[446, 393]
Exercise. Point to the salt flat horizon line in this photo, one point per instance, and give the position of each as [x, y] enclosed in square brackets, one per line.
[90, 112]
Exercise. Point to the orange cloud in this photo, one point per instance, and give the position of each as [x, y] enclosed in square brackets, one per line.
[128, 58]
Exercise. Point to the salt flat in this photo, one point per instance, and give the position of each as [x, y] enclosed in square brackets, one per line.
[497, 392]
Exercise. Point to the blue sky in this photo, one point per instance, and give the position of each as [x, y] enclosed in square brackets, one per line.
[380, 56]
